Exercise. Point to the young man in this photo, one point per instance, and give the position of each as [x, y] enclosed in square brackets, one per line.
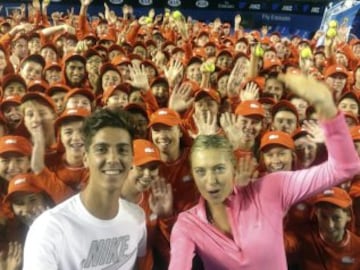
[328, 244]
[94, 228]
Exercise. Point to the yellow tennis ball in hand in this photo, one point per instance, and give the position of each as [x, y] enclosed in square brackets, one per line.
[259, 51]
[333, 24]
[148, 20]
[210, 67]
[306, 53]
[331, 33]
[177, 15]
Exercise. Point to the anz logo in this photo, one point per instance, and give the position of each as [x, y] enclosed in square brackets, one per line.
[145, 2]
[174, 3]
[202, 3]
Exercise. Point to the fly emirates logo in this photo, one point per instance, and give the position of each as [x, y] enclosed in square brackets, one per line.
[111, 254]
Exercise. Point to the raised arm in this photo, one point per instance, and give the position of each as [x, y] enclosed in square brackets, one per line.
[343, 162]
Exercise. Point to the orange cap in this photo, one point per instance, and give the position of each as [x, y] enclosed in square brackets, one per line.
[212, 93]
[334, 69]
[15, 100]
[74, 57]
[37, 58]
[123, 87]
[355, 133]
[77, 113]
[38, 86]
[145, 152]
[15, 144]
[284, 104]
[354, 191]
[41, 97]
[10, 78]
[57, 88]
[277, 138]
[336, 196]
[120, 60]
[166, 117]
[52, 65]
[269, 63]
[21, 183]
[250, 108]
[298, 133]
[80, 91]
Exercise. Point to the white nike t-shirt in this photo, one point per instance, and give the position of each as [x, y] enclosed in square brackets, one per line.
[69, 237]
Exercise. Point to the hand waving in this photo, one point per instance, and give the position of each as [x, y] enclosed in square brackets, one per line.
[206, 124]
[161, 198]
[246, 171]
[139, 78]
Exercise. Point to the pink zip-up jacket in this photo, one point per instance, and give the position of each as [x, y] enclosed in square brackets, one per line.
[256, 212]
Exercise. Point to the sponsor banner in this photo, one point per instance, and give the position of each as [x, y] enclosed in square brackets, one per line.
[114, 2]
[280, 7]
[145, 2]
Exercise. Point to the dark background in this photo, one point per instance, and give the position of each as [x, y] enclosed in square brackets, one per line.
[287, 17]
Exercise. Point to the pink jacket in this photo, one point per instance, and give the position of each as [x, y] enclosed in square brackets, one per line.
[256, 212]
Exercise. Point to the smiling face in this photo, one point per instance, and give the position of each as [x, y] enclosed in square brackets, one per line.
[12, 114]
[110, 78]
[145, 175]
[75, 72]
[36, 114]
[213, 171]
[277, 158]
[71, 136]
[31, 71]
[109, 158]
[250, 127]
[166, 138]
[12, 164]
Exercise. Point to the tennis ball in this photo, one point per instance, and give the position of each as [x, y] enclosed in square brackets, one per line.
[331, 33]
[148, 20]
[210, 67]
[333, 24]
[259, 51]
[306, 53]
[177, 15]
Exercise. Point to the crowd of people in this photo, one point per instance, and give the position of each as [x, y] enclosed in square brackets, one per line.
[162, 142]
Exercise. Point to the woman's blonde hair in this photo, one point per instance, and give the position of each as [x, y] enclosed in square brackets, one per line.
[217, 142]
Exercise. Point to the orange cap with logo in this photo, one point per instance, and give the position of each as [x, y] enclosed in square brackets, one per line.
[145, 152]
[79, 113]
[166, 117]
[334, 69]
[277, 138]
[15, 144]
[336, 196]
[213, 94]
[250, 108]
[21, 183]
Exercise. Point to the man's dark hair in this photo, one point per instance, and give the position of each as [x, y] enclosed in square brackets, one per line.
[105, 118]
